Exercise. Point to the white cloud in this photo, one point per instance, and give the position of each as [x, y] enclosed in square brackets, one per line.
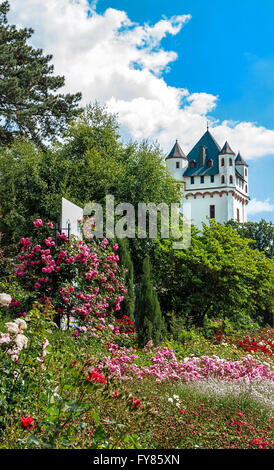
[255, 207]
[114, 61]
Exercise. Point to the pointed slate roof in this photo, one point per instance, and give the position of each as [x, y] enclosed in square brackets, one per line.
[176, 152]
[212, 149]
[226, 150]
[239, 160]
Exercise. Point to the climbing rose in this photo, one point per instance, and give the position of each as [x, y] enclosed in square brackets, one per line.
[38, 223]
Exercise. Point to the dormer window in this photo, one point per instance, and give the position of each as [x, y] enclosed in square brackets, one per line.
[192, 164]
[210, 163]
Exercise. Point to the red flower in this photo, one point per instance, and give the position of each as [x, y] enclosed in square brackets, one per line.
[26, 421]
[95, 377]
[136, 402]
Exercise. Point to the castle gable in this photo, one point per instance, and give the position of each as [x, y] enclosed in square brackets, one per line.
[209, 165]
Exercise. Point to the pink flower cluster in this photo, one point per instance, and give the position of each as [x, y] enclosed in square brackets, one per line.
[49, 271]
[165, 366]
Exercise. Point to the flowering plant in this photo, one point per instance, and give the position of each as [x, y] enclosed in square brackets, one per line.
[80, 277]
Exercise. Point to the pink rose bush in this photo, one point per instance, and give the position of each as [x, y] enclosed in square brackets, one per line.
[79, 277]
[163, 365]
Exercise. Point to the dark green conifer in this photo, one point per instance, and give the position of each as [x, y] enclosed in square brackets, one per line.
[149, 322]
[128, 305]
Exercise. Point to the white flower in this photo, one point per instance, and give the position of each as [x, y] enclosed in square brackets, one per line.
[21, 341]
[21, 323]
[170, 399]
[4, 338]
[5, 299]
[12, 327]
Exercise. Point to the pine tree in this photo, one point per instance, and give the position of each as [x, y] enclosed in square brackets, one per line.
[149, 322]
[29, 104]
[128, 304]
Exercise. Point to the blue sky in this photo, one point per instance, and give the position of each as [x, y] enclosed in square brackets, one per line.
[227, 49]
[167, 73]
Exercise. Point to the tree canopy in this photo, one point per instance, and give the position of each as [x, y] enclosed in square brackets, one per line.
[219, 275]
[29, 103]
[261, 233]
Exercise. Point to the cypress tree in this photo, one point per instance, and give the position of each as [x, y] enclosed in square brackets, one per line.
[128, 305]
[149, 322]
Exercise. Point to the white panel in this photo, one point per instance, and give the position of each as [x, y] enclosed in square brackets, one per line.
[71, 213]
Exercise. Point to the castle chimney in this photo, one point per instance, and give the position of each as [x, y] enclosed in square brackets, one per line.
[202, 155]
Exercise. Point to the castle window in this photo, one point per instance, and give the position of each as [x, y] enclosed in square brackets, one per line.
[212, 212]
[231, 179]
[238, 215]
[223, 179]
[209, 163]
[177, 164]
[230, 162]
[212, 178]
[246, 188]
[192, 164]
[245, 172]
[202, 179]
[192, 180]
[223, 162]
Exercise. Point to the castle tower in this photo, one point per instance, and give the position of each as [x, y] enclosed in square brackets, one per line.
[215, 183]
[176, 161]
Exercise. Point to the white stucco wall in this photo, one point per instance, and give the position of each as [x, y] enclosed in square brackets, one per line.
[200, 208]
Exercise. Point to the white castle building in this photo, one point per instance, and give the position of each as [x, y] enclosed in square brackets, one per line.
[214, 180]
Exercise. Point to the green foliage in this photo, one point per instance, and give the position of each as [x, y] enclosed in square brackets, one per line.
[29, 104]
[218, 276]
[21, 190]
[261, 233]
[149, 322]
[128, 304]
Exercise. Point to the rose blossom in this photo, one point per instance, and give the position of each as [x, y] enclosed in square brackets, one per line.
[38, 223]
[21, 341]
[5, 299]
[12, 327]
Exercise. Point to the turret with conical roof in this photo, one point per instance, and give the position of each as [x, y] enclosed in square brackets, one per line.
[241, 167]
[176, 152]
[176, 161]
[226, 150]
[239, 160]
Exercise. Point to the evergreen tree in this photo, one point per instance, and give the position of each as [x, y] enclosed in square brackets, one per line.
[29, 104]
[149, 322]
[128, 304]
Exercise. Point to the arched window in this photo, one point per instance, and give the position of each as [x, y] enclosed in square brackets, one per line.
[230, 162]
[245, 172]
[223, 162]
[210, 163]
[192, 164]
[231, 179]
[246, 188]
[223, 179]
